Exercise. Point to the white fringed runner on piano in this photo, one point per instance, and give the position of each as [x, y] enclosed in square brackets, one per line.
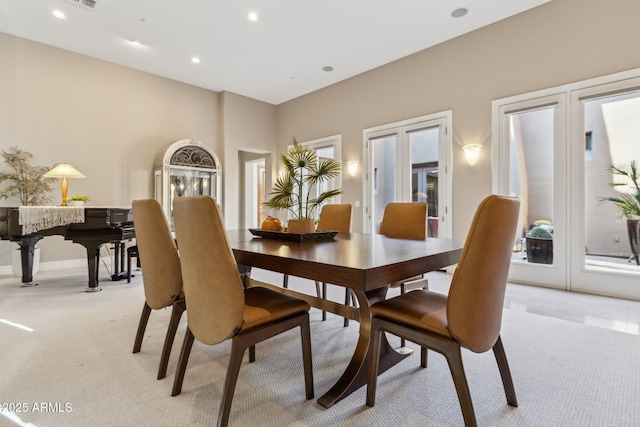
[36, 218]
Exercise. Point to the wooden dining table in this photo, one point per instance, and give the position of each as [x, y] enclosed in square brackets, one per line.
[364, 263]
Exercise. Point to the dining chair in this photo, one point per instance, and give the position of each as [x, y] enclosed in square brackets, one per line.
[332, 217]
[219, 307]
[162, 279]
[469, 316]
[406, 221]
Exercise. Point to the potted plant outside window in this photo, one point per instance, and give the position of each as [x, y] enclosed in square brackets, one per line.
[540, 245]
[293, 189]
[628, 202]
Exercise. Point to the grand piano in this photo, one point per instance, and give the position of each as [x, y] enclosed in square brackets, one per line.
[101, 225]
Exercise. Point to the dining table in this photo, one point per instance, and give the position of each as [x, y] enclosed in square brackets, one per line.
[365, 263]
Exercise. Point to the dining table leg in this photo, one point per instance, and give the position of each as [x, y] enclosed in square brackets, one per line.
[355, 375]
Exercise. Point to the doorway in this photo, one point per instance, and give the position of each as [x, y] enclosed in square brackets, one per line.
[255, 192]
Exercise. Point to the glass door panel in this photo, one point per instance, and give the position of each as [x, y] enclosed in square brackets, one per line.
[606, 260]
[531, 180]
[532, 166]
[424, 149]
[384, 179]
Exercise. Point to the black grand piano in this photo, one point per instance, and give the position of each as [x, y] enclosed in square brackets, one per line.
[101, 225]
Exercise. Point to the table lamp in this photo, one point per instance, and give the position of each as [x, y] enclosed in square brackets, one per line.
[64, 171]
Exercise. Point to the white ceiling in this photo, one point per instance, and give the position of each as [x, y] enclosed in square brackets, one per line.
[275, 59]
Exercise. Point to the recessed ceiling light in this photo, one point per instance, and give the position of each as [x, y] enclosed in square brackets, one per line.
[327, 68]
[459, 13]
[58, 14]
[195, 60]
[252, 16]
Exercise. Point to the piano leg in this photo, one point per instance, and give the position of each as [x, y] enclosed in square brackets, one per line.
[93, 263]
[27, 245]
[118, 256]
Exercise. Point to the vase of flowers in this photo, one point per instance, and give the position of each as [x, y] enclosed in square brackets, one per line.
[294, 189]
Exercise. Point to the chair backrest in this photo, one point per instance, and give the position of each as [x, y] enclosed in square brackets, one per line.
[162, 278]
[476, 295]
[335, 217]
[404, 221]
[212, 286]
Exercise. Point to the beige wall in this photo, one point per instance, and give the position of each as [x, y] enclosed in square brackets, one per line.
[106, 120]
[557, 43]
[110, 121]
[247, 126]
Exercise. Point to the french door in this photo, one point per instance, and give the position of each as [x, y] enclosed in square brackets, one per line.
[605, 128]
[554, 150]
[409, 161]
[531, 165]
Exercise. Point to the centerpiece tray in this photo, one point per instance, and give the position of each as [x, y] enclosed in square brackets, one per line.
[317, 236]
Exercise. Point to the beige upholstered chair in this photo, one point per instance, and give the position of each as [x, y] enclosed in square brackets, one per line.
[470, 316]
[219, 308]
[335, 217]
[406, 221]
[162, 278]
[332, 217]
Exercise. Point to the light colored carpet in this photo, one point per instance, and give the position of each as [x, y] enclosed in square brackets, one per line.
[79, 355]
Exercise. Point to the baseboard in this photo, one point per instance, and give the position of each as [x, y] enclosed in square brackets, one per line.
[51, 265]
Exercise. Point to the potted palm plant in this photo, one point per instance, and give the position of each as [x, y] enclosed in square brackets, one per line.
[628, 202]
[293, 190]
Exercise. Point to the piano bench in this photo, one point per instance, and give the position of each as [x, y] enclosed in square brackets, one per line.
[132, 251]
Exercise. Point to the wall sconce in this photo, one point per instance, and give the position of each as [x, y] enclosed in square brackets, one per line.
[471, 152]
[352, 166]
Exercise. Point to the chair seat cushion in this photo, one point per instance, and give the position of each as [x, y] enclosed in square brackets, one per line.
[423, 310]
[264, 306]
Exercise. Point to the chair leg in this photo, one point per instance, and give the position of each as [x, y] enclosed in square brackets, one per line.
[235, 362]
[176, 313]
[320, 294]
[423, 357]
[374, 360]
[324, 296]
[505, 373]
[403, 342]
[128, 268]
[347, 301]
[252, 354]
[454, 358]
[142, 326]
[305, 335]
[182, 363]
[285, 281]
